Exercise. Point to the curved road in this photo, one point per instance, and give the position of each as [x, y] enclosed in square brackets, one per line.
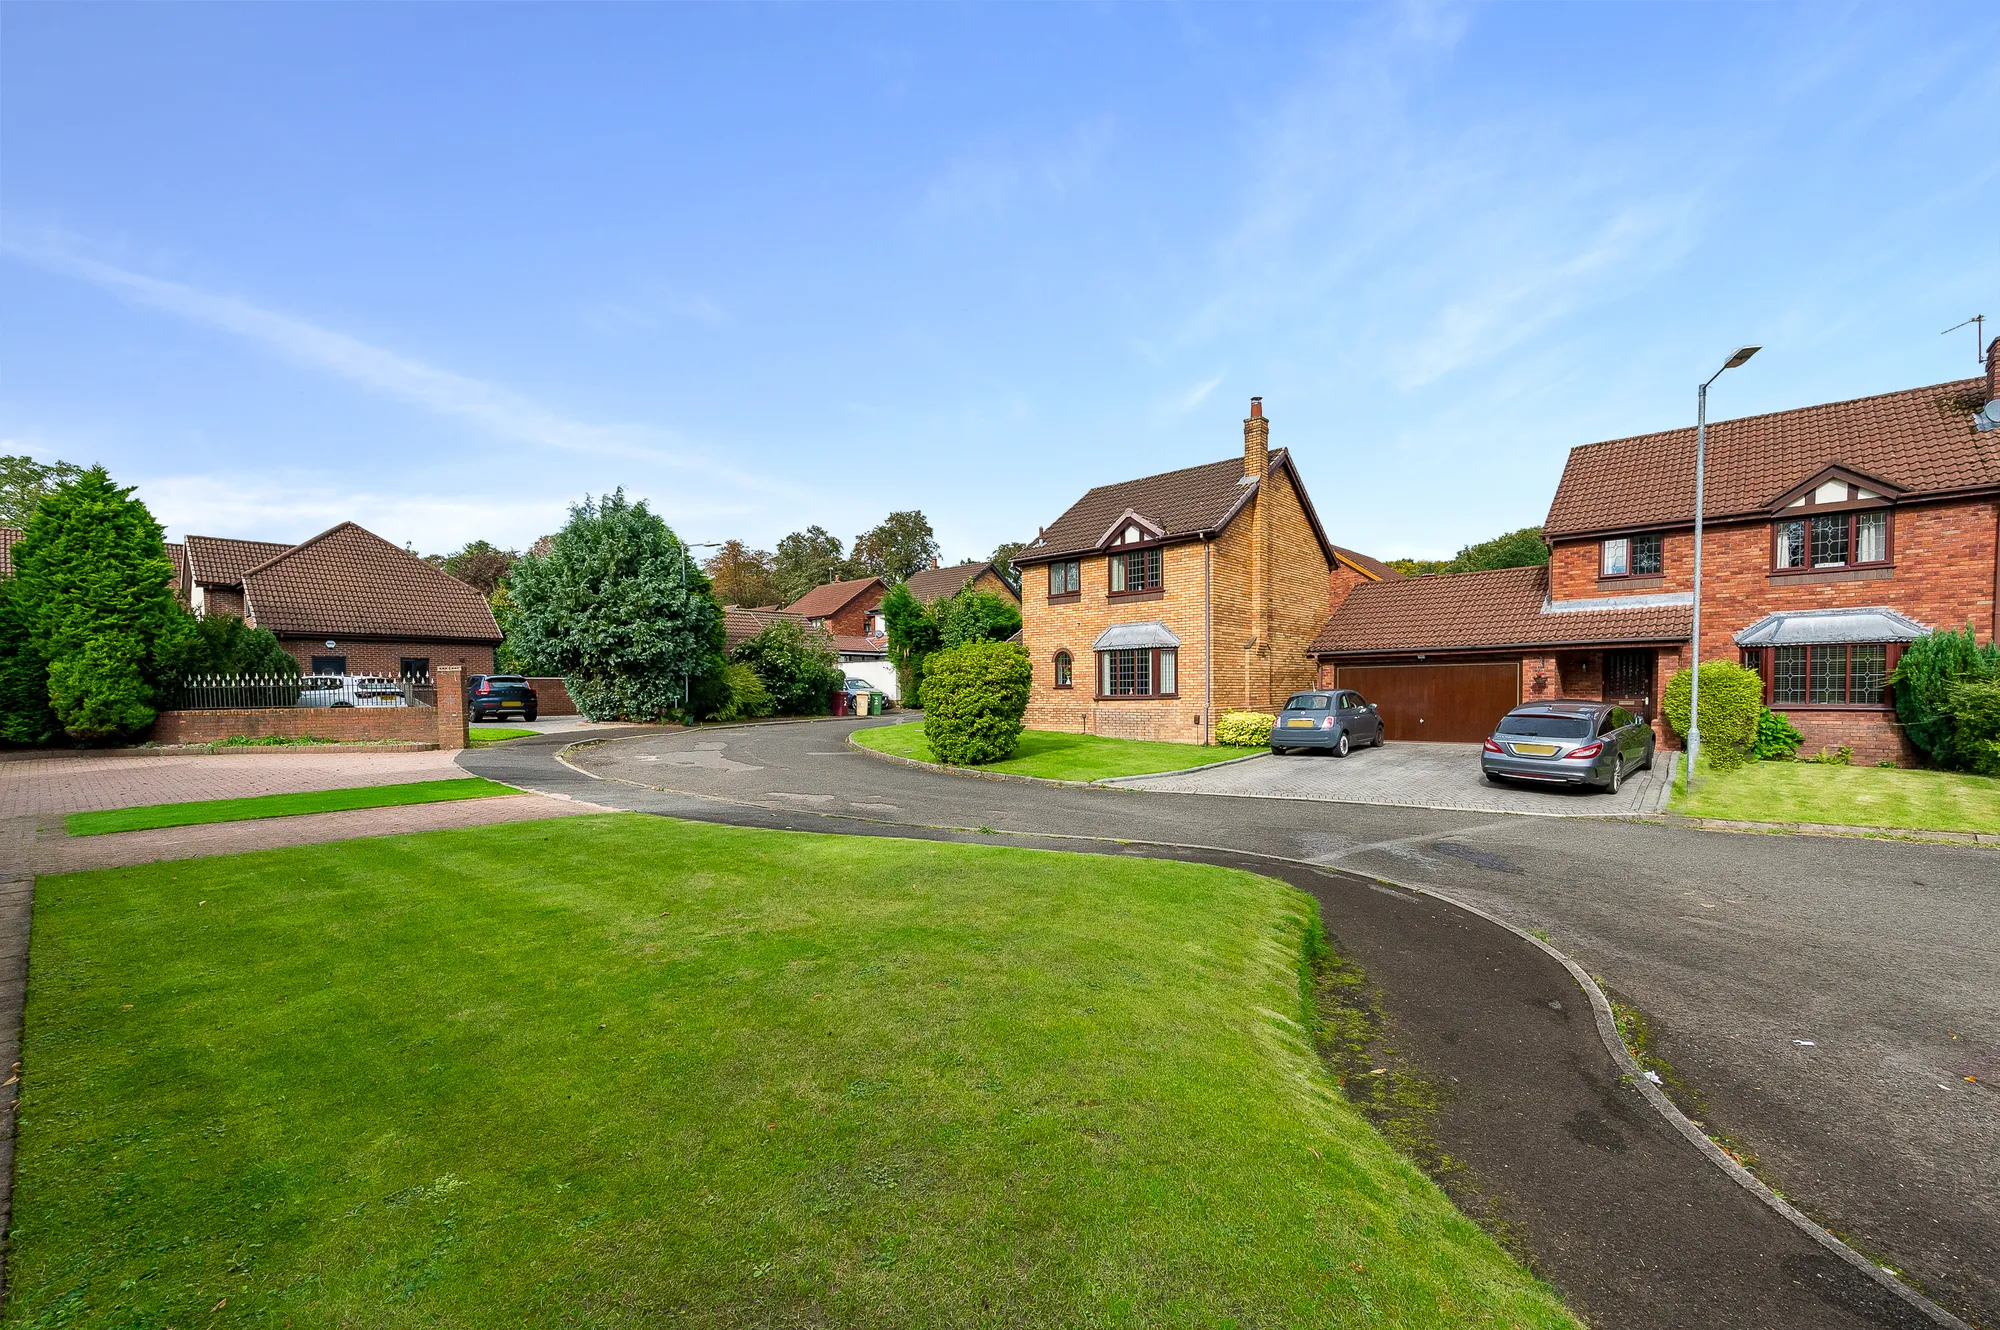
[1826, 999]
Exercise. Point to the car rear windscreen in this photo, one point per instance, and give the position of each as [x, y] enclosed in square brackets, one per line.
[1307, 702]
[1548, 727]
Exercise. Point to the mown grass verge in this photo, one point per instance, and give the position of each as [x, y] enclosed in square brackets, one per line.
[619, 1070]
[1844, 796]
[479, 735]
[1053, 755]
[148, 816]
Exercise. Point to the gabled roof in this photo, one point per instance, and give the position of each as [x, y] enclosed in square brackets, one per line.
[349, 582]
[177, 555]
[9, 537]
[219, 561]
[931, 584]
[823, 601]
[1194, 501]
[740, 625]
[1487, 611]
[1366, 566]
[1921, 441]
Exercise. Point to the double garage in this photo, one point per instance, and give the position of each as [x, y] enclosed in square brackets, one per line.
[1445, 703]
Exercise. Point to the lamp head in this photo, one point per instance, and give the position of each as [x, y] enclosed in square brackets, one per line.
[1739, 355]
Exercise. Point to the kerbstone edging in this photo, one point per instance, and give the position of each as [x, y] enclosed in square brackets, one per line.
[1102, 783]
[1840, 829]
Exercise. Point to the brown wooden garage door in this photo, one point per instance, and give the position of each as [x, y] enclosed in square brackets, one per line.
[1438, 703]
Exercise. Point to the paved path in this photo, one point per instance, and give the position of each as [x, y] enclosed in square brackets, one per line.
[1411, 776]
[1886, 957]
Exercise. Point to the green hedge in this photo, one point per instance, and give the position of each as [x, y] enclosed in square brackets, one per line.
[1244, 729]
[974, 698]
[1732, 700]
[1930, 689]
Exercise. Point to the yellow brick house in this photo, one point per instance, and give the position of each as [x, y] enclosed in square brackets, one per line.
[1153, 606]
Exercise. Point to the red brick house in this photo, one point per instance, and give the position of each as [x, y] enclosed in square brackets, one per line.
[934, 584]
[345, 602]
[1832, 535]
[845, 609]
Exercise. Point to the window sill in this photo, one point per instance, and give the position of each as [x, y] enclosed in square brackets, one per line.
[1866, 572]
[1638, 582]
[1882, 707]
[1066, 598]
[1155, 594]
[1062, 687]
[1137, 697]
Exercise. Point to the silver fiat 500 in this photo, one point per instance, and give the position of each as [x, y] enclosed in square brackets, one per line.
[1337, 719]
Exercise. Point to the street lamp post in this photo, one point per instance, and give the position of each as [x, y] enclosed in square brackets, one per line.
[1736, 357]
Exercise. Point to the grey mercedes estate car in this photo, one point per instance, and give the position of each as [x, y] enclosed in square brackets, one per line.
[1336, 719]
[1570, 743]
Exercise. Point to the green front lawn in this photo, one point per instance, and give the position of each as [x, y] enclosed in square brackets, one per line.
[1844, 796]
[148, 816]
[480, 735]
[1060, 756]
[621, 1070]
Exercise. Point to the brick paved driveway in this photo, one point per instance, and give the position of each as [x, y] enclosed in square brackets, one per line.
[1409, 775]
[78, 784]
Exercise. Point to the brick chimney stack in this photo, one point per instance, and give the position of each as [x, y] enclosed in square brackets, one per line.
[1256, 441]
[1993, 370]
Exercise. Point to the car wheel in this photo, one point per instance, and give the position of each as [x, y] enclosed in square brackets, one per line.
[1502, 781]
[1617, 776]
[1647, 765]
[533, 712]
[1277, 751]
[1340, 745]
[1378, 738]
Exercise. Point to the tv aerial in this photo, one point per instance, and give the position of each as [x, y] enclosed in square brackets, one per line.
[1986, 417]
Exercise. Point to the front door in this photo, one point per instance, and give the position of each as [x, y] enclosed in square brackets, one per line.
[1628, 681]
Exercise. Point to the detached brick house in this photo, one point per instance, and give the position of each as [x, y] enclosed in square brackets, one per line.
[1152, 606]
[345, 602]
[934, 584]
[845, 609]
[1832, 536]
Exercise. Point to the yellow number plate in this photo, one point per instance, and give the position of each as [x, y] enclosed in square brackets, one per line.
[1535, 750]
[1299, 724]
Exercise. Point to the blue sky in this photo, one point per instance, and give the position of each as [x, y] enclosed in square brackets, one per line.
[444, 268]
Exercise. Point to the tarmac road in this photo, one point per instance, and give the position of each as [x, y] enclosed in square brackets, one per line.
[1825, 998]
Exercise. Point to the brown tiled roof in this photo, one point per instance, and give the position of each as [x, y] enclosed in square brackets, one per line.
[218, 561]
[823, 601]
[931, 584]
[1920, 440]
[348, 582]
[1375, 568]
[177, 553]
[740, 625]
[8, 536]
[1194, 501]
[860, 646]
[1482, 612]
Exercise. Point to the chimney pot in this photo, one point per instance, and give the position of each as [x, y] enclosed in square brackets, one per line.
[1256, 408]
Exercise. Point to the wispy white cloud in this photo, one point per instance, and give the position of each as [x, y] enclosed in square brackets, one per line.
[1000, 177]
[500, 411]
[1194, 396]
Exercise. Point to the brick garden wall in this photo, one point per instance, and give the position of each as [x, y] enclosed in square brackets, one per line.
[347, 724]
[552, 697]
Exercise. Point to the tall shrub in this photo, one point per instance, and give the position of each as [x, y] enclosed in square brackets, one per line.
[1923, 681]
[1975, 725]
[618, 609]
[799, 668]
[973, 615]
[230, 646]
[1732, 699]
[25, 717]
[93, 592]
[974, 698]
[913, 635]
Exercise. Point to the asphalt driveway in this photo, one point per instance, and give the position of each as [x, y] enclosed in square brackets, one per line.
[1410, 775]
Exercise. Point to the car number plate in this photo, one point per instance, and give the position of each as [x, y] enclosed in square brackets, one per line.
[1299, 724]
[1535, 750]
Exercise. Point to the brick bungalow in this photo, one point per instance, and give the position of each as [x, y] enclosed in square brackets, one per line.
[1152, 606]
[846, 609]
[934, 583]
[1832, 535]
[349, 602]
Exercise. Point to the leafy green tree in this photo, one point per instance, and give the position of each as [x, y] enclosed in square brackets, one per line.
[902, 544]
[1975, 728]
[230, 646]
[1418, 567]
[807, 559]
[743, 576]
[93, 588]
[1922, 683]
[974, 698]
[913, 635]
[25, 716]
[1003, 558]
[1517, 549]
[741, 694]
[618, 609]
[972, 615]
[480, 565]
[798, 665]
[24, 483]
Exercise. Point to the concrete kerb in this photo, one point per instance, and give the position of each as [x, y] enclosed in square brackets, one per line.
[1836, 829]
[1607, 1024]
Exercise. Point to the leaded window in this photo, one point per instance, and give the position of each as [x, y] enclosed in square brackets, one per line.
[1062, 669]
[1835, 674]
[1827, 674]
[1135, 570]
[1138, 672]
[1871, 537]
[1617, 557]
[1829, 540]
[1065, 577]
[1792, 544]
[1646, 559]
[1788, 675]
[1868, 672]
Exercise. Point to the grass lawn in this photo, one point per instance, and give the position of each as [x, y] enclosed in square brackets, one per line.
[1844, 796]
[620, 1070]
[148, 816]
[486, 736]
[1061, 756]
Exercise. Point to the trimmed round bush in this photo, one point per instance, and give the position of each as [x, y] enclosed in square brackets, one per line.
[1732, 701]
[974, 698]
[1244, 729]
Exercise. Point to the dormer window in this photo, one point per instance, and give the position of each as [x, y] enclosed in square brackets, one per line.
[1831, 524]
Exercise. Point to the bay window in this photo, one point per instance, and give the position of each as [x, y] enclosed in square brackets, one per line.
[1138, 672]
[1835, 674]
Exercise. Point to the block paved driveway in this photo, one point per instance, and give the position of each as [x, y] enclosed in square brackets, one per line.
[1410, 775]
[82, 783]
